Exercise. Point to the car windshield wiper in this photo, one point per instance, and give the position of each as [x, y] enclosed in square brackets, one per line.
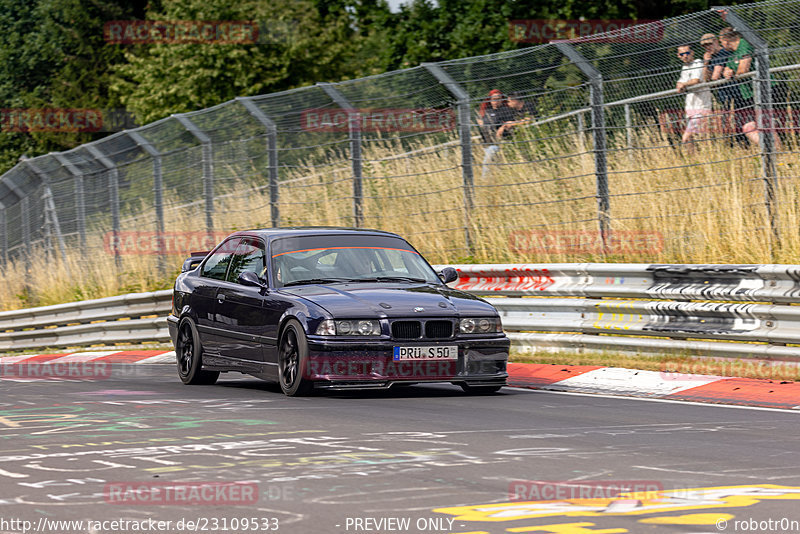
[391, 279]
[317, 281]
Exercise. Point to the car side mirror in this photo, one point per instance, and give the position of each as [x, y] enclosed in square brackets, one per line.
[249, 278]
[448, 274]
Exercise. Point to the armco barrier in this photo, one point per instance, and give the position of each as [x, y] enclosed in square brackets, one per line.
[716, 310]
[719, 310]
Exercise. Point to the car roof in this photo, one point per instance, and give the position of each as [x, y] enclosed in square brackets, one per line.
[295, 231]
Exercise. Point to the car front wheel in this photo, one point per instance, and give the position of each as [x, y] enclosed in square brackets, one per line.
[189, 353]
[293, 360]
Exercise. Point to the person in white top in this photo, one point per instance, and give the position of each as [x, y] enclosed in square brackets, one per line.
[698, 101]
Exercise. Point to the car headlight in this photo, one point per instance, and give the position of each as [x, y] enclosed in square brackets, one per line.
[349, 327]
[480, 325]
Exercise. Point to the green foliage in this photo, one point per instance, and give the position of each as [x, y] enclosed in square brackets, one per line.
[52, 52]
[311, 46]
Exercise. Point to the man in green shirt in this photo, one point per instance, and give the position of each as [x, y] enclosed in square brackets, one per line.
[739, 63]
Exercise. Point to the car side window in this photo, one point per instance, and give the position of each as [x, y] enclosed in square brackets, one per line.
[216, 266]
[249, 256]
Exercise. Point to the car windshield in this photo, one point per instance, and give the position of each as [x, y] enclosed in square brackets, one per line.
[347, 258]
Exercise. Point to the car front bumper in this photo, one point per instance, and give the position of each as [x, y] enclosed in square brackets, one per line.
[340, 364]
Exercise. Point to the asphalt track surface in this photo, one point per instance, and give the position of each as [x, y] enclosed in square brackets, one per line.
[125, 453]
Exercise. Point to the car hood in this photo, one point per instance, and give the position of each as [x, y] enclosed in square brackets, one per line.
[395, 300]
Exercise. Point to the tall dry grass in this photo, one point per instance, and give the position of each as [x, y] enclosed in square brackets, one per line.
[706, 204]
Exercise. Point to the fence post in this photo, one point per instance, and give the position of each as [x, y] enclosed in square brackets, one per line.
[272, 151]
[581, 130]
[25, 215]
[50, 208]
[598, 135]
[354, 127]
[764, 106]
[158, 195]
[208, 167]
[628, 127]
[465, 137]
[4, 232]
[113, 192]
[80, 201]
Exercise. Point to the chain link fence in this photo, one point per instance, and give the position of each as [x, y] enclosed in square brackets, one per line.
[600, 164]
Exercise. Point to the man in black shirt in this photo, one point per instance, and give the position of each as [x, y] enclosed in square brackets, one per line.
[492, 118]
[522, 112]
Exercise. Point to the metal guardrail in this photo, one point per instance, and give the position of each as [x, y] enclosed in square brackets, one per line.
[133, 318]
[719, 310]
[716, 310]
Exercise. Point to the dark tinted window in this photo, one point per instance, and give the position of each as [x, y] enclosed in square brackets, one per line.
[346, 258]
[216, 266]
[249, 256]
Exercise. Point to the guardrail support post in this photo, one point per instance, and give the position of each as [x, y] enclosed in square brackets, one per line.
[272, 151]
[465, 137]
[764, 115]
[80, 202]
[113, 192]
[208, 167]
[354, 127]
[598, 135]
[158, 195]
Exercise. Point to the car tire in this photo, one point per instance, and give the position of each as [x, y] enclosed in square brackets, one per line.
[479, 390]
[293, 360]
[189, 354]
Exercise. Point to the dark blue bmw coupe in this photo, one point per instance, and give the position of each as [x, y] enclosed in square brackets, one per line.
[331, 308]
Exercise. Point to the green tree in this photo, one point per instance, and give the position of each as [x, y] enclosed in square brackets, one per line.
[299, 45]
[52, 55]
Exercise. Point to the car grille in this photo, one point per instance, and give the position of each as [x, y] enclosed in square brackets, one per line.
[413, 329]
[406, 329]
[438, 329]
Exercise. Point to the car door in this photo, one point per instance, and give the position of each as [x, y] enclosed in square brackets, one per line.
[241, 313]
[204, 296]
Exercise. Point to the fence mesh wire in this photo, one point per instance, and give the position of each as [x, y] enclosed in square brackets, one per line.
[600, 157]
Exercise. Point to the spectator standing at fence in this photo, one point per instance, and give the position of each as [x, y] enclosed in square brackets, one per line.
[739, 63]
[492, 118]
[522, 111]
[714, 60]
[698, 101]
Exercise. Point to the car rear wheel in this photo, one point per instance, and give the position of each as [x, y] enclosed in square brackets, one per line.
[189, 353]
[293, 360]
[479, 390]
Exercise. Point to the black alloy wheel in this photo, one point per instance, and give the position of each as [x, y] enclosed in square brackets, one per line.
[189, 353]
[293, 360]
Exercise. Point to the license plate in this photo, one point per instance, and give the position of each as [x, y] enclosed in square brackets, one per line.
[435, 352]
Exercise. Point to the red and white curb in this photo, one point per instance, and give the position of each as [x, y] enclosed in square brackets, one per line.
[113, 356]
[570, 378]
[654, 384]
